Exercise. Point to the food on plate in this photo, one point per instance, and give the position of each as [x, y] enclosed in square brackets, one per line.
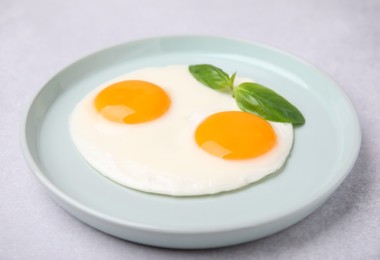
[160, 130]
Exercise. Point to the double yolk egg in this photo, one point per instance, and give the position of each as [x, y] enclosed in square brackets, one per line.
[229, 134]
[159, 130]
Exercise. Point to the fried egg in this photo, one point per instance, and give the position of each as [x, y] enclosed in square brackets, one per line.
[159, 130]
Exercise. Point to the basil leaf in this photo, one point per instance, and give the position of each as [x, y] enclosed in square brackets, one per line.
[232, 79]
[257, 99]
[210, 76]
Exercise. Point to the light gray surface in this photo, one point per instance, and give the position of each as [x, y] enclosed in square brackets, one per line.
[39, 38]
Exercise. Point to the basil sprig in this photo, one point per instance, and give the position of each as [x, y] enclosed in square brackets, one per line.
[250, 97]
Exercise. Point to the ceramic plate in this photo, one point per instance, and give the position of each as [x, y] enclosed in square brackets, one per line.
[324, 151]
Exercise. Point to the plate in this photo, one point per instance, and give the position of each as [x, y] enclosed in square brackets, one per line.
[324, 151]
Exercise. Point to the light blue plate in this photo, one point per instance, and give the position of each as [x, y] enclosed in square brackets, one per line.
[325, 148]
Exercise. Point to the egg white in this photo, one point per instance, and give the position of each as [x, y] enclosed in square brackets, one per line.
[161, 156]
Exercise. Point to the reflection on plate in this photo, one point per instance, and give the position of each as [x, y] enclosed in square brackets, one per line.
[324, 150]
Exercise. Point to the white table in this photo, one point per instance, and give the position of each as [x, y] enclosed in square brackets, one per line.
[38, 38]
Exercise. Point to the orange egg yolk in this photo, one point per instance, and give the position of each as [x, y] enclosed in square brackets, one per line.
[235, 135]
[132, 102]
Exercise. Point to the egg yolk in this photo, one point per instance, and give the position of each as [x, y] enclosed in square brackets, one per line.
[235, 135]
[132, 102]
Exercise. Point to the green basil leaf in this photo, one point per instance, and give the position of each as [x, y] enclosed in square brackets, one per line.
[210, 76]
[232, 79]
[257, 99]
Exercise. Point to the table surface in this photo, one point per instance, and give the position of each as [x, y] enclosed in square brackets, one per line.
[39, 38]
